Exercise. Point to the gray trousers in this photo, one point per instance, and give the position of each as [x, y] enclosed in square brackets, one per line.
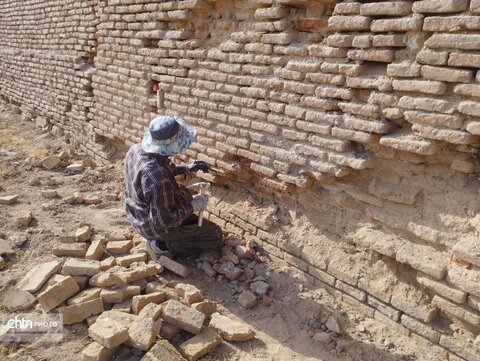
[190, 239]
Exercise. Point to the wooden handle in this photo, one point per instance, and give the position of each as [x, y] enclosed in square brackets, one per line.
[200, 215]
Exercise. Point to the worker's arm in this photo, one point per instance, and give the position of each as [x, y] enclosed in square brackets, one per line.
[191, 168]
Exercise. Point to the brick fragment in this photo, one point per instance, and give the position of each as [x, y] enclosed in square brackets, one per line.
[84, 296]
[425, 259]
[446, 6]
[173, 266]
[163, 351]
[126, 261]
[80, 267]
[183, 317]
[420, 86]
[70, 249]
[387, 8]
[189, 293]
[446, 74]
[454, 41]
[83, 234]
[144, 330]
[140, 301]
[57, 293]
[119, 247]
[231, 330]
[465, 279]
[95, 250]
[108, 332]
[80, 311]
[96, 352]
[200, 345]
[38, 275]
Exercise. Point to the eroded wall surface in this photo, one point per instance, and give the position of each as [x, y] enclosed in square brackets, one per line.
[346, 132]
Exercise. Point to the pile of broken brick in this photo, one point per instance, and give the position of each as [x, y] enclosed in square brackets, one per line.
[109, 283]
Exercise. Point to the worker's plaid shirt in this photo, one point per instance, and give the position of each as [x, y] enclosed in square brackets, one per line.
[154, 201]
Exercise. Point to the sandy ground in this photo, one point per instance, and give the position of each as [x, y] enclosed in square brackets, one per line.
[292, 328]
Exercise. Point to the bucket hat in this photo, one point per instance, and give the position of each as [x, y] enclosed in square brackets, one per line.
[168, 135]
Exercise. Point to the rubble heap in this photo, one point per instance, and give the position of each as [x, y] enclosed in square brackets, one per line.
[107, 282]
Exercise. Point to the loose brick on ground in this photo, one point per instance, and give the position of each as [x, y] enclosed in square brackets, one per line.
[231, 330]
[200, 345]
[183, 317]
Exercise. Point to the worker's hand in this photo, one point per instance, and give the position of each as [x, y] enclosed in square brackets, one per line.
[199, 203]
[198, 165]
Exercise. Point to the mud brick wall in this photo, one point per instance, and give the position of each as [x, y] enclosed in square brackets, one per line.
[46, 51]
[345, 133]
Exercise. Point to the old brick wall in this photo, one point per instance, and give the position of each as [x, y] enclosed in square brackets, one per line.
[346, 133]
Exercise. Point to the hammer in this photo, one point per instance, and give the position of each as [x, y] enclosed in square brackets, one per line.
[202, 186]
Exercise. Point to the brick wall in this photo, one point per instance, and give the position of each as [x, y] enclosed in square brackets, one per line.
[346, 133]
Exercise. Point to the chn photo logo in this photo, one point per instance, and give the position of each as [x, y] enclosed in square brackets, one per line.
[30, 327]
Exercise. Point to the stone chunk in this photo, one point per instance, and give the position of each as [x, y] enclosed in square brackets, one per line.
[70, 249]
[259, 287]
[247, 299]
[183, 317]
[80, 267]
[423, 258]
[173, 266]
[108, 332]
[7, 200]
[38, 275]
[23, 219]
[79, 312]
[140, 301]
[189, 293]
[57, 293]
[97, 352]
[200, 345]
[435, 7]
[231, 330]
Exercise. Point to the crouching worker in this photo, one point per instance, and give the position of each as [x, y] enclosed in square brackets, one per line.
[159, 208]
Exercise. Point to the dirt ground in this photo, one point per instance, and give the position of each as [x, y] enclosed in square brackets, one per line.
[292, 328]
